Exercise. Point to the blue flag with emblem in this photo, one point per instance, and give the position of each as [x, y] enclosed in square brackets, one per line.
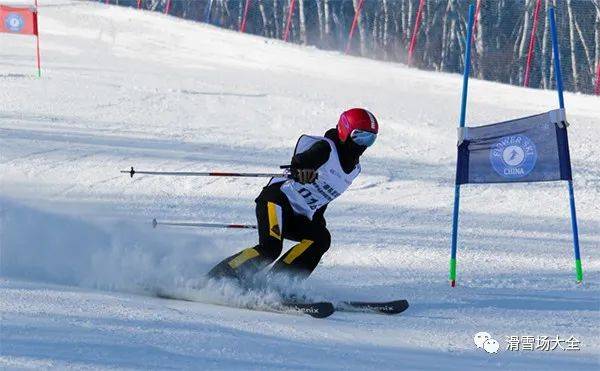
[528, 149]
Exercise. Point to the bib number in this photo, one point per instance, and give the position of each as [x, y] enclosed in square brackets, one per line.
[311, 201]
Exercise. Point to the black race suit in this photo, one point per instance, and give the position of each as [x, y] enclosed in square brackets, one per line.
[312, 235]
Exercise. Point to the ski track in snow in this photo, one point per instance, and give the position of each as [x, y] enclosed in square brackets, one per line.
[123, 87]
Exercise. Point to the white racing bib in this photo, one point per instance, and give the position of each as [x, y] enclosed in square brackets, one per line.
[331, 181]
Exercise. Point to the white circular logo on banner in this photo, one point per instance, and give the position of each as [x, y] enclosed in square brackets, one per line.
[14, 22]
[513, 156]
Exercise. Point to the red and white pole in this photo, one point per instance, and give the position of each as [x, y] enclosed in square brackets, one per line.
[168, 7]
[245, 17]
[532, 42]
[37, 46]
[354, 22]
[413, 39]
[476, 20]
[288, 23]
[139, 4]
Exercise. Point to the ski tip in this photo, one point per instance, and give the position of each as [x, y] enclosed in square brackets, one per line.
[390, 307]
[324, 310]
[398, 306]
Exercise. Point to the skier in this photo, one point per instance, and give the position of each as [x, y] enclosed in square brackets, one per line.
[322, 169]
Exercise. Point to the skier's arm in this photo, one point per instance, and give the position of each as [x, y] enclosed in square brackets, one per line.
[313, 157]
[306, 163]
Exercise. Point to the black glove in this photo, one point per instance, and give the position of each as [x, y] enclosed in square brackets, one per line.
[304, 176]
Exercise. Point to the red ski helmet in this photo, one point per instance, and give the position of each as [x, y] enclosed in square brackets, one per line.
[358, 124]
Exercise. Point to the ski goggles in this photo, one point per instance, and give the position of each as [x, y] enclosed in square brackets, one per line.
[363, 138]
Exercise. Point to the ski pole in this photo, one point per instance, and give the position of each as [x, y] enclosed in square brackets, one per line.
[212, 173]
[204, 225]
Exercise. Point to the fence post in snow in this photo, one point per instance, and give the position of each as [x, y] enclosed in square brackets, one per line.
[288, 22]
[354, 22]
[413, 39]
[532, 43]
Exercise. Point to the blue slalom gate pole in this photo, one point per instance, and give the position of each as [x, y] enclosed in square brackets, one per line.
[463, 114]
[561, 102]
[557, 71]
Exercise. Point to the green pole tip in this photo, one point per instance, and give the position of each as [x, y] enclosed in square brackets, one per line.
[579, 270]
[452, 269]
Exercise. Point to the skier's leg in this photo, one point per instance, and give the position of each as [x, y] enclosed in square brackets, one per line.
[304, 257]
[247, 262]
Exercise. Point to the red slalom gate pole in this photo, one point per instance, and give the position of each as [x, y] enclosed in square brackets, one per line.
[288, 23]
[37, 46]
[168, 7]
[532, 42]
[354, 22]
[139, 4]
[37, 39]
[413, 39]
[477, 7]
[598, 79]
[243, 26]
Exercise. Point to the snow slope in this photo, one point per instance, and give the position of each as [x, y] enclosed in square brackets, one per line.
[122, 87]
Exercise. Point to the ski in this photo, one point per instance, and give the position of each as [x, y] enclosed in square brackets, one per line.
[314, 309]
[389, 307]
[322, 309]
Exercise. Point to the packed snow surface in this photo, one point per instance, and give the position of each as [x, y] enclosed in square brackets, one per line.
[123, 88]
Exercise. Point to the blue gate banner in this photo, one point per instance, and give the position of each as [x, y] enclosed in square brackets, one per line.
[528, 149]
